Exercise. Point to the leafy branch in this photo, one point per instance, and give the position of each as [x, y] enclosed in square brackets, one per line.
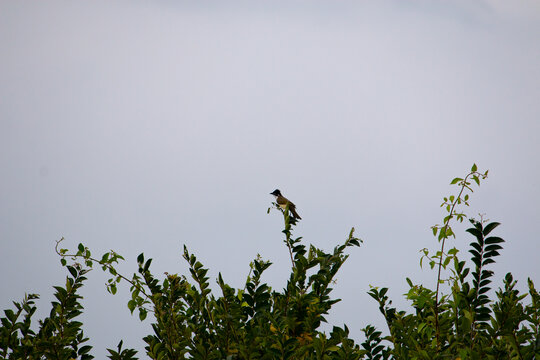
[107, 263]
[445, 231]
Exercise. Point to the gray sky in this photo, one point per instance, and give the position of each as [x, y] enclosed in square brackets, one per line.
[143, 126]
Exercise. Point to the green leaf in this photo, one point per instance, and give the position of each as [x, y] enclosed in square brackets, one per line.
[493, 247]
[10, 315]
[474, 231]
[446, 261]
[131, 305]
[474, 168]
[72, 271]
[142, 314]
[489, 227]
[147, 264]
[494, 240]
[84, 349]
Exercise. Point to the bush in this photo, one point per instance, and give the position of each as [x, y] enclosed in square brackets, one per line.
[189, 321]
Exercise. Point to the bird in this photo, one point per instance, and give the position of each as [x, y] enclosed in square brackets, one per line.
[282, 201]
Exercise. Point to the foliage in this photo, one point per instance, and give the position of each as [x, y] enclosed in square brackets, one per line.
[460, 319]
[465, 323]
[59, 336]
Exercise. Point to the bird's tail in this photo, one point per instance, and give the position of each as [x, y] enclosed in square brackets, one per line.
[294, 213]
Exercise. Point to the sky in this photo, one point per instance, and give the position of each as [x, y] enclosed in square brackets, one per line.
[143, 126]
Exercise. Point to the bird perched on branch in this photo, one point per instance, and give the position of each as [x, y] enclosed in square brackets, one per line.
[282, 201]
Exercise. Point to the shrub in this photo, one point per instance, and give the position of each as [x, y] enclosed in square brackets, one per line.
[190, 321]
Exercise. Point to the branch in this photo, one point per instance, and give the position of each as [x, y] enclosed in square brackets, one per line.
[105, 262]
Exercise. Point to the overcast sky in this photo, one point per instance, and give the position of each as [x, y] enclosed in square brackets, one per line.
[143, 126]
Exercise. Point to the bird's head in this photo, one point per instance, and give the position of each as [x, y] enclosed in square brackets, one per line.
[276, 192]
